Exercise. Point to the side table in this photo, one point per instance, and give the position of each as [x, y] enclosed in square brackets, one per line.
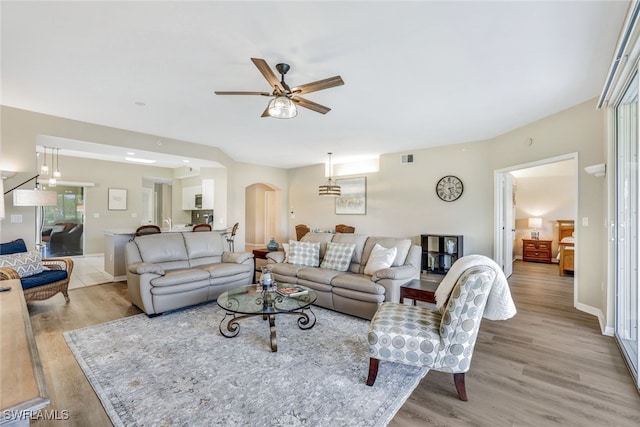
[419, 290]
[260, 253]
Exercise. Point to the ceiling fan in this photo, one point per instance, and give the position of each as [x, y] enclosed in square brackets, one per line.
[285, 98]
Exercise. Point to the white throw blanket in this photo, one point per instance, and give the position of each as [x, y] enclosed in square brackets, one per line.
[499, 306]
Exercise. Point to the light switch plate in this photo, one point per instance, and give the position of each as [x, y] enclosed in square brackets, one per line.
[585, 221]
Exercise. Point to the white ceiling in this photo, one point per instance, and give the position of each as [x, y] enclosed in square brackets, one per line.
[417, 74]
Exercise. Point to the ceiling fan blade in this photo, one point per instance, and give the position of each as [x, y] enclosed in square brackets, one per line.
[223, 92]
[318, 85]
[311, 105]
[268, 74]
[265, 113]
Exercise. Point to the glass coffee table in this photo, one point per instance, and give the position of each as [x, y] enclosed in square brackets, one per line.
[248, 301]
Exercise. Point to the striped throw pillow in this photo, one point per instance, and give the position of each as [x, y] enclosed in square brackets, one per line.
[25, 263]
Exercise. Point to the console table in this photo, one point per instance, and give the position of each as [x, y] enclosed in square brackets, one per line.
[23, 390]
[536, 250]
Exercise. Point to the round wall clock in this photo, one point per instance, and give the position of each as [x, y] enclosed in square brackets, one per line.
[449, 188]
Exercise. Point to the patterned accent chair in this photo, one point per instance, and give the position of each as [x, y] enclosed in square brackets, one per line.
[440, 340]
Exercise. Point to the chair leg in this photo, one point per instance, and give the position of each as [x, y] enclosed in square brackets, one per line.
[458, 379]
[66, 295]
[373, 370]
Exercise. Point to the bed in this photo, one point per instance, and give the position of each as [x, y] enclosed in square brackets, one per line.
[566, 241]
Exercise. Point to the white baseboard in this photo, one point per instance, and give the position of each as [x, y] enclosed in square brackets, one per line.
[604, 329]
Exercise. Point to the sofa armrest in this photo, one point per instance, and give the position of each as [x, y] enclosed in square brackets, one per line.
[7, 273]
[276, 257]
[236, 257]
[146, 267]
[395, 273]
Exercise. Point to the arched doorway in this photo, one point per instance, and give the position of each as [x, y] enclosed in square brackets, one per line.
[261, 215]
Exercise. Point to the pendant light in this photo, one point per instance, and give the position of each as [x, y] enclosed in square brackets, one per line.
[330, 188]
[52, 178]
[56, 173]
[282, 107]
[44, 169]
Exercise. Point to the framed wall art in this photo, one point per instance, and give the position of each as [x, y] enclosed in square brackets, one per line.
[117, 199]
[353, 197]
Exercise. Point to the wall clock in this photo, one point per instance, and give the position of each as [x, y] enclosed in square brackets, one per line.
[449, 188]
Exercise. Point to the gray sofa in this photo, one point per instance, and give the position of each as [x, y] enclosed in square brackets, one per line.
[172, 270]
[352, 292]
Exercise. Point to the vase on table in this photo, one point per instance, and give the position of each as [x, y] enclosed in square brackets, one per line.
[272, 245]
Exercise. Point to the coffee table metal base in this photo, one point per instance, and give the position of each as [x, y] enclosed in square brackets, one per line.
[306, 320]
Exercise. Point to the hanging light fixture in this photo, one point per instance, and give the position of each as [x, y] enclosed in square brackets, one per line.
[282, 107]
[330, 188]
[44, 169]
[56, 173]
[52, 178]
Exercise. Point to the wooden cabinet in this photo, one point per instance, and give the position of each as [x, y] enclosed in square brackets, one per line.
[439, 252]
[536, 250]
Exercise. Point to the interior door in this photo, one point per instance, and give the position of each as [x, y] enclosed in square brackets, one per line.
[505, 222]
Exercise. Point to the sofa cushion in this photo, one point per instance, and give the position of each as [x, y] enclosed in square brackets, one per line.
[356, 282]
[44, 278]
[304, 253]
[358, 239]
[322, 238]
[13, 247]
[318, 275]
[403, 246]
[179, 277]
[226, 269]
[201, 245]
[380, 258]
[162, 247]
[285, 269]
[338, 256]
[24, 263]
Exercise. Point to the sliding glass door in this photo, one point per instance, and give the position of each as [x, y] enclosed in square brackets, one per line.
[63, 224]
[626, 228]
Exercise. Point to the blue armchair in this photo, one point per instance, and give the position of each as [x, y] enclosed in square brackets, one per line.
[40, 278]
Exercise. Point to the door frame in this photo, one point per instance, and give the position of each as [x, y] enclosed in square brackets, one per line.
[503, 197]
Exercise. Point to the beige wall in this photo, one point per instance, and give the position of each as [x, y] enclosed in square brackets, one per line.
[401, 199]
[19, 132]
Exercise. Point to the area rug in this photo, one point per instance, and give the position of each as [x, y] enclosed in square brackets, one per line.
[178, 370]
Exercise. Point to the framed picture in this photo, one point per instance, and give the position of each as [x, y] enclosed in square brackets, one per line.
[117, 199]
[353, 197]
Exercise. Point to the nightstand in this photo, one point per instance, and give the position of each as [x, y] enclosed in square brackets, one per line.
[536, 250]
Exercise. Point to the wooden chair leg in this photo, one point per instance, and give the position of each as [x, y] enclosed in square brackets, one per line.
[373, 370]
[458, 379]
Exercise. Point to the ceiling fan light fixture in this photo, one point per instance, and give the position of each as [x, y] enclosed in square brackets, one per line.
[282, 107]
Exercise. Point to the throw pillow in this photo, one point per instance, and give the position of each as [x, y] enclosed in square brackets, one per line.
[380, 258]
[304, 253]
[25, 263]
[13, 247]
[338, 256]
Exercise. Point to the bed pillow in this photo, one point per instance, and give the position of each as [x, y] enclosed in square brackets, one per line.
[379, 259]
[24, 263]
[304, 253]
[338, 256]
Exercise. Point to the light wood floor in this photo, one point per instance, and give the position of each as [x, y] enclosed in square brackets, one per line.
[548, 366]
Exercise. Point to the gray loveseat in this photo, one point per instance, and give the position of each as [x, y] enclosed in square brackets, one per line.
[352, 291]
[172, 270]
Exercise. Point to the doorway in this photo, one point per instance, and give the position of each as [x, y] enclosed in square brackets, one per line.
[261, 215]
[549, 184]
[63, 224]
